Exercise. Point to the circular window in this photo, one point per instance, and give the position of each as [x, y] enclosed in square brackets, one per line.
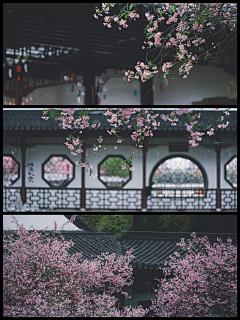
[177, 172]
[111, 174]
[58, 171]
[231, 172]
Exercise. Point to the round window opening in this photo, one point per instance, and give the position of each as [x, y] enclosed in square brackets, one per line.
[177, 173]
[111, 173]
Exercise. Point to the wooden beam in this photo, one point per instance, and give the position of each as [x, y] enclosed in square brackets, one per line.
[83, 192]
[144, 200]
[218, 195]
[23, 148]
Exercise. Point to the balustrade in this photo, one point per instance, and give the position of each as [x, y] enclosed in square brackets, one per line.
[117, 199]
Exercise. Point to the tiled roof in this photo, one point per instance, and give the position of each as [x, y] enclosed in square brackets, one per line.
[81, 224]
[151, 249]
[93, 243]
[31, 120]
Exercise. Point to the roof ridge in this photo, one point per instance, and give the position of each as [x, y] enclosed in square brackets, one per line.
[78, 222]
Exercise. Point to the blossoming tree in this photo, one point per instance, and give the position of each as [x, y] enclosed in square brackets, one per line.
[144, 125]
[40, 278]
[186, 37]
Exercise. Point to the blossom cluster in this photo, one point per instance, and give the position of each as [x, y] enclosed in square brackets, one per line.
[195, 18]
[144, 126]
[41, 279]
[201, 282]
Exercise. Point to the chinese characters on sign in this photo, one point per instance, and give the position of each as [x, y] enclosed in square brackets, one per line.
[30, 172]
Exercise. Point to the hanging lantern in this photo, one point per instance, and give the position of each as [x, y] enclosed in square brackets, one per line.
[9, 62]
[66, 78]
[25, 68]
[161, 87]
[10, 73]
[135, 93]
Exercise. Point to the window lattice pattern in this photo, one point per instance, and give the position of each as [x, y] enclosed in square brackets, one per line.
[178, 172]
[112, 174]
[58, 171]
[231, 172]
[10, 171]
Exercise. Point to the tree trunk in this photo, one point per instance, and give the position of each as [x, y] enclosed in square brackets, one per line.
[137, 222]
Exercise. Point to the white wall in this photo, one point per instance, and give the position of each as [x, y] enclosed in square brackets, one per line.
[120, 93]
[125, 151]
[154, 155]
[183, 93]
[94, 198]
[38, 221]
[201, 154]
[38, 157]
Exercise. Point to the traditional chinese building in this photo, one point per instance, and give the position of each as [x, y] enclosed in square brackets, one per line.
[47, 51]
[151, 250]
[40, 173]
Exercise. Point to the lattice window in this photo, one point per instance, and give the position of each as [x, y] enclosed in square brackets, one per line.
[177, 173]
[58, 171]
[231, 172]
[111, 174]
[11, 170]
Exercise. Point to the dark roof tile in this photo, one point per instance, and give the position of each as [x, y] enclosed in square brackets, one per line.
[31, 120]
[81, 224]
[151, 249]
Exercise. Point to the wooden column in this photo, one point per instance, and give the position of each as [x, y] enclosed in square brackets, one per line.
[144, 198]
[83, 193]
[89, 79]
[18, 93]
[23, 148]
[218, 195]
[146, 93]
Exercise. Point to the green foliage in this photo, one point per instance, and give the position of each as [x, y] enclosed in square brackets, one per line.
[115, 224]
[163, 223]
[112, 167]
[91, 219]
[109, 223]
